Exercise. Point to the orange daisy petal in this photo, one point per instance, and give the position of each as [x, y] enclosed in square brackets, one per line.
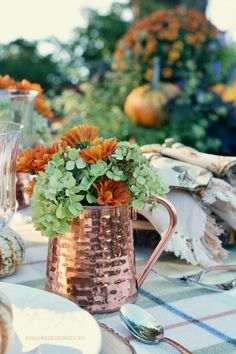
[105, 199]
[29, 190]
[100, 151]
[6, 82]
[42, 108]
[111, 193]
[80, 134]
[25, 85]
[25, 161]
[35, 160]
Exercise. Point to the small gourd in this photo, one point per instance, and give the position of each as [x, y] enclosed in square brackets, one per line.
[6, 323]
[144, 105]
[12, 251]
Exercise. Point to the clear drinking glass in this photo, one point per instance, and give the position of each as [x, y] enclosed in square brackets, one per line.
[18, 106]
[10, 134]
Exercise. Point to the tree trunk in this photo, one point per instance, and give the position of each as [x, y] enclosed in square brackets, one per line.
[200, 5]
[135, 8]
[141, 8]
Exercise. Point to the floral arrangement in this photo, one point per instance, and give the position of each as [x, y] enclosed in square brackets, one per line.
[6, 82]
[175, 36]
[84, 169]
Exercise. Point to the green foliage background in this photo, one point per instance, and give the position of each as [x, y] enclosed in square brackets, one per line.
[81, 87]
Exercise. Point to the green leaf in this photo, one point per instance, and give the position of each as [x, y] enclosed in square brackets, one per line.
[78, 207]
[133, 188]
[137, 204]
[56, 157]
[52, 191]
[70, 165]
[79, 197]
[80, 163]
[73, 154]
[141, 180]
[90, 198]
[84, 184]
[75, 189]
[63, 228]
[50, 169]
[119, 157]
[71, 182]
[54, 180]
[109, 174]
[61, 212]
[119, 152]
[99, 168]
[73, 210]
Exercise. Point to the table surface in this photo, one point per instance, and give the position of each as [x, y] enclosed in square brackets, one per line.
[202, 321]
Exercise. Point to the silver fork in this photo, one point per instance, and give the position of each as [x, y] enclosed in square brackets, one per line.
[195, 279]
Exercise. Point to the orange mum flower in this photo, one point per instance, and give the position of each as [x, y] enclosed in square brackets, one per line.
[42, 156]
[177, 28]
[173, 55]
[35, 160]
[148, 74]
[99, 151]
[42, 108]
[80, 134]
[40, 104]
[190, 38]
[6, 82]
[25, 161]
[25, 85]
[111, 193]
[167, 72]
[29, 190]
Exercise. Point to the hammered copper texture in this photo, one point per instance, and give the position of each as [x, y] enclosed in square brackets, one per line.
[94, 264]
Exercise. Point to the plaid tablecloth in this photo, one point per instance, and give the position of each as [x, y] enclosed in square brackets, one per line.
[203, 321]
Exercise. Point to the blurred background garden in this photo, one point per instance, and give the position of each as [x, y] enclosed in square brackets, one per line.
[142, 70]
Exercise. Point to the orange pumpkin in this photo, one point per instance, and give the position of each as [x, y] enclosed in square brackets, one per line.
[144, 105]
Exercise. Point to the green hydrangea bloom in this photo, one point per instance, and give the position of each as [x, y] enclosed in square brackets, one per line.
[131, 167]
[67, 184]
[56, 198]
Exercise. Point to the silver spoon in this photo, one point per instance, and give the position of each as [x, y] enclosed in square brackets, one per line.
[145, 327]
[195, 279]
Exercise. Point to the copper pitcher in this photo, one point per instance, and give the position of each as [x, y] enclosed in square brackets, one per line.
[94, 264]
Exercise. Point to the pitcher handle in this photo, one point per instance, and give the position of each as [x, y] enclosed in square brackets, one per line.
[165, 238]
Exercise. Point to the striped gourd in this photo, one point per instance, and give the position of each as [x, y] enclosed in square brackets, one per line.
[6, 321]
[12, 252]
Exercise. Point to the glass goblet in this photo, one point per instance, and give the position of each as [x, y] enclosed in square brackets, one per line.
[10, 134]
